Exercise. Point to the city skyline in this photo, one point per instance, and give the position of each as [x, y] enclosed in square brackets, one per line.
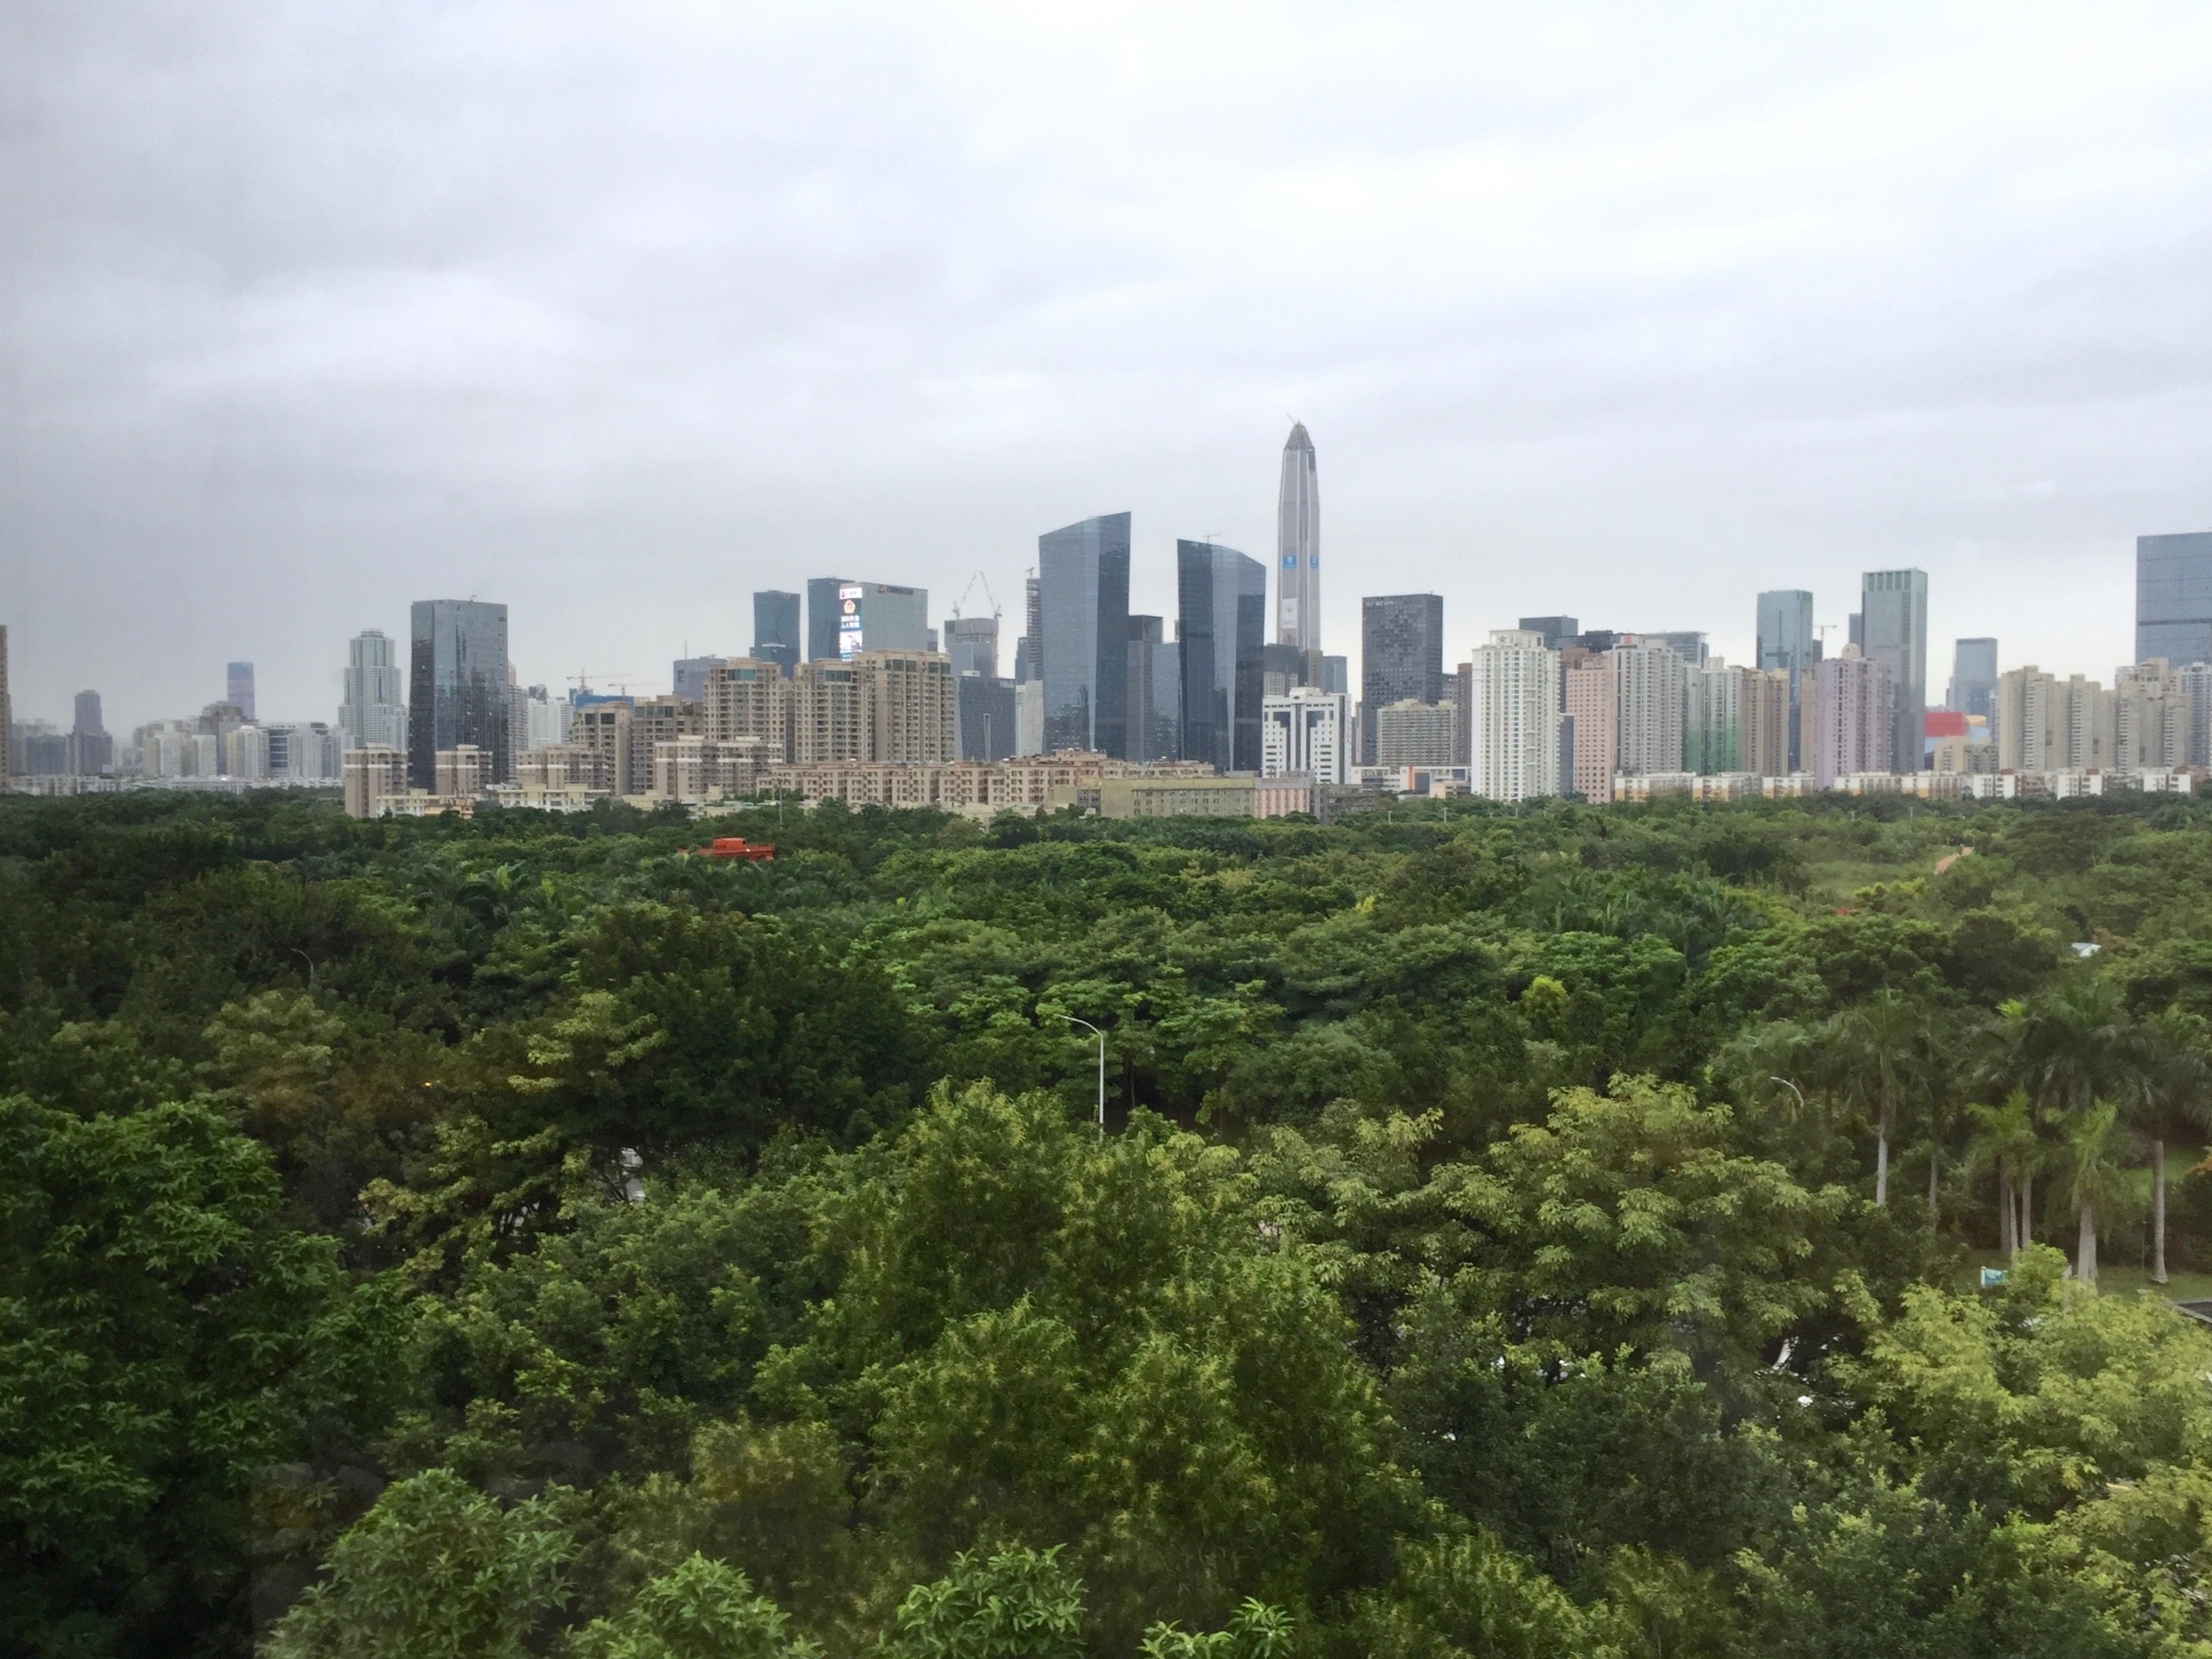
[1650, 307]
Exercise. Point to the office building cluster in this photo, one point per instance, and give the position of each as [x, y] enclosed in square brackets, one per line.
[849, 691]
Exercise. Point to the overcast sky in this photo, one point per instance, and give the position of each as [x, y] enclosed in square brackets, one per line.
[616, 312]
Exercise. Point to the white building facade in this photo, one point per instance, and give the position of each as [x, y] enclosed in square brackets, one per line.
[1513, 719]
[1306, 731]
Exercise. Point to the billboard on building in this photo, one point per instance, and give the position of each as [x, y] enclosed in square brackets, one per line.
[849, 637]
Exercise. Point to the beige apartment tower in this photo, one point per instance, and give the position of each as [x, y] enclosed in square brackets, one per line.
[908, 707]
[1591, 708]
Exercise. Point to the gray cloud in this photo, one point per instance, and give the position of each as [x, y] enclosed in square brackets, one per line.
[618, 313]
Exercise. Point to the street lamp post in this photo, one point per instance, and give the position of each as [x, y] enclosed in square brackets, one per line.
[1101, 1064]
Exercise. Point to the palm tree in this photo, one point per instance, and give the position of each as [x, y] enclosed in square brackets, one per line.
[2083, 1061]
[2095, 1145]
[2174, 1097]
[2005, 1140]
[1880, 1059]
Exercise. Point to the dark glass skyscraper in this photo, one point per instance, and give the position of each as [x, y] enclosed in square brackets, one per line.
[1401, 656]
[2173, 597]
[1221, 597]
[457, 684]
[1787, 641]
[238, 687]
[1083, 603]
[776, 629]
[1894, 629]
[821, 616]
[1155, 692]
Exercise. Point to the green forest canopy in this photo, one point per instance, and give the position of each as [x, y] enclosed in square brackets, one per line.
[1517, 1232]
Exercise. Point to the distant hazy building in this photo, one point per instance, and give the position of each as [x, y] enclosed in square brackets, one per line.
[1222, 597]
[2030, 720]
[375, 706]
[1083, 601]
[1590, 729]
[544, 718]
[987, 718]
[1894, 606]
[7, 713]
[1029, 717]
[655, 721]
[1411, 733]
[1306, 731]
[776, 635]
[1155, 692]
[1973, 687]
[1787, 642]
[91, 750]
[1298, 548]
[1512, 716]
[1651, 689]
[1336, 673]
[245, 753]
[1402, 659]
[1686, 644]
[458, 683]
[1554, 631]
[972, 644]
[238, 687]
[1853, 718]
[687, 677]
[303, 751]
[2173, 597]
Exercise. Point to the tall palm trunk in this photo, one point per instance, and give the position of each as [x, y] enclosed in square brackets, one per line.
[1881, 1160]
[1935, 1169]
[2085, 1246]
[2008, 1223]
[2158, 1212]
[2026, 1235]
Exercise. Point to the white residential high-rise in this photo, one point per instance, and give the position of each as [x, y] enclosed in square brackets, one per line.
[1306, 731]
[1298, 548]
[375, 706]
[1513, 718]
[1652, 684]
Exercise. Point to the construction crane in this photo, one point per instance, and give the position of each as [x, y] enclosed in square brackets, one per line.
[978, 577]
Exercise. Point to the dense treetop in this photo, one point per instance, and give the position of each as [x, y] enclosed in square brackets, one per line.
[1514, 1232]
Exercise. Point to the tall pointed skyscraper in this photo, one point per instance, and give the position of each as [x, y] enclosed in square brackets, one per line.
[1298, 551]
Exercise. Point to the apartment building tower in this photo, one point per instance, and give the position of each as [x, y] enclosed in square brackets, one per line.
[1854, 707]
[1512, 716]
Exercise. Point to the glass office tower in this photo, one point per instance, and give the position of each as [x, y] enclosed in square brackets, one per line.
[238, 687]
[821, 616]
[1787, 641]
[776, 637]
[1221, 604]
[1083, 604]
[457, 687]
[2173, 597]
[1973, 677]
[1894, 629]
[1401, 656]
